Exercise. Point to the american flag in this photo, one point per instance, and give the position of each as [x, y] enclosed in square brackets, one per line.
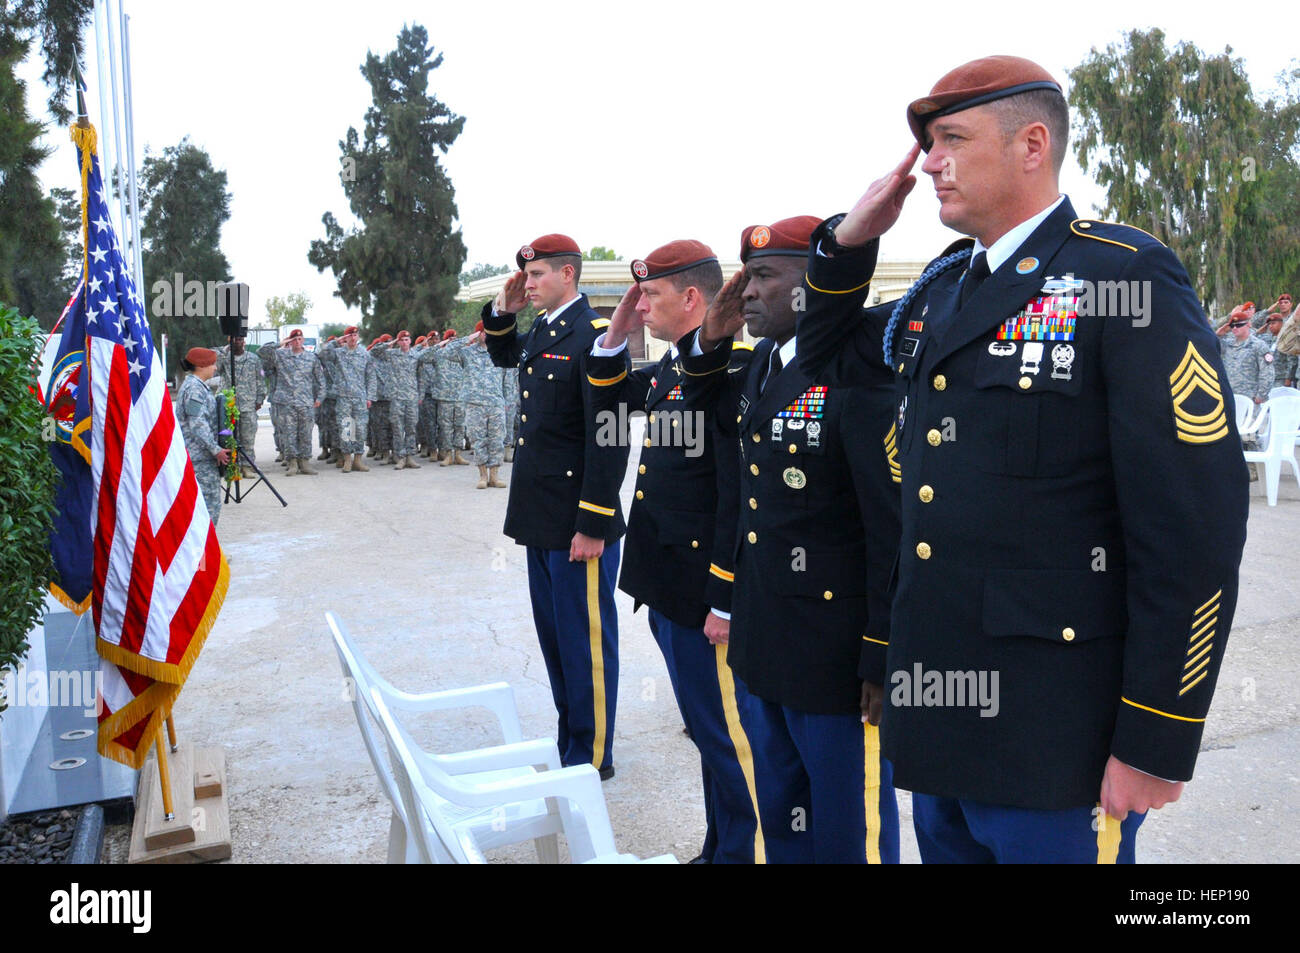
[158, 573]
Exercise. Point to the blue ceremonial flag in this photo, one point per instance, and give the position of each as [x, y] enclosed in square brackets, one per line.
[67, 400]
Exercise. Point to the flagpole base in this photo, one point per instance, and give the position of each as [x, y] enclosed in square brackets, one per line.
[200, 828]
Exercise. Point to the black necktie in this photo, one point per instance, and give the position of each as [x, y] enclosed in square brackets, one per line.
[773, 369]
[979, 270]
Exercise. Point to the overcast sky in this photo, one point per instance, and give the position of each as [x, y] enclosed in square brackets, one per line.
[625, 125]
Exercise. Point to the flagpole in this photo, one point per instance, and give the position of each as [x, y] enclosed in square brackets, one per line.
[106, 144]
[132, 184]
[164, 776]
[119, 178]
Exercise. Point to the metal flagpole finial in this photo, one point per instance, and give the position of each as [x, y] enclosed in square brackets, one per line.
[83, 117]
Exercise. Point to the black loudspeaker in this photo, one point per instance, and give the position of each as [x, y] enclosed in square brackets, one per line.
[232, 309]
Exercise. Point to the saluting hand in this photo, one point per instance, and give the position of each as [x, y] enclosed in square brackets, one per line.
[726, 314]
[511, 298]
[625, 319]
[878, 209]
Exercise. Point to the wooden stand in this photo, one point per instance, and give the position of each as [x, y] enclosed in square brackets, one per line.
[200, 829]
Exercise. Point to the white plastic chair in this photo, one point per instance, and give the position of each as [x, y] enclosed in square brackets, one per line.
[446, 815]
[514, 757]
[1283, 392]
[1245, 409]
[1281, 415]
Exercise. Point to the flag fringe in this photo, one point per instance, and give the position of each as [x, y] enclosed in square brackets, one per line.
[157, 699]
[87, 140]
[68, 602]
[173, 673]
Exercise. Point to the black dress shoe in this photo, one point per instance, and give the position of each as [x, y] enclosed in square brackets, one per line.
[698, 859]
[607, 772]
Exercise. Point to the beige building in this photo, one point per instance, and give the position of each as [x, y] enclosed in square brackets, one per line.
[605, 282]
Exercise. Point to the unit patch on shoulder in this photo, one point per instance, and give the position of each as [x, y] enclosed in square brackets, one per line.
[1199, 415]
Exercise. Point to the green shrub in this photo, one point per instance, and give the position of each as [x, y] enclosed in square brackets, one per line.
[27, 482]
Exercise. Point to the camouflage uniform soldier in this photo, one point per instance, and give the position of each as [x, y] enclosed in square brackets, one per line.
[1247, 359]
[300, 386]
[326, 413]
[381, 436]
[448, 392]
[250, 394]
[266, 354]
[427, 376]
[355, 375]
[510, 384]
[404, 402]
[1284, 364]
[197, 413]
[485, 407]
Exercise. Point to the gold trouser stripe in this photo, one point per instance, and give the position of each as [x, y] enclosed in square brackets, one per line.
[740, 741]
[1108, 837]
[871, 789]
[1157, 711]
[594, 634]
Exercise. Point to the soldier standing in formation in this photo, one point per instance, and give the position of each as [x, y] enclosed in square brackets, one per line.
[677, 556]
[564, 505]
[381, 426]
[448, 388]
[484, 407]
[326, 414]
[404, 397]
[1247, 359]
[510, 385]
[355, 373]
[1072, 526]
[426, 425]
[266, 354]
[817, 535]
[250, 394]
[197, 414]
[300, 385]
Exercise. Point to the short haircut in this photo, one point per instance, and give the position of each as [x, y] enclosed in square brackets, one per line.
[1037, 105]
[559, 261]
[707, 276]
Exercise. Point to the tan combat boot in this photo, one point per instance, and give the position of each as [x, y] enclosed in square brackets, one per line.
[359, 464]
[458, 460]
[347, 462]
[412, 465]
[482, 477]
[341, 458]
[494, 480]
[305, 467]
[444, 458]
[324, 453]
[401, 464]
[293, 467]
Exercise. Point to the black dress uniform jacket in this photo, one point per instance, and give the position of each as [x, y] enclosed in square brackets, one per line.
[563, 481]
[1073, 512]
[673, 560]
[817, 523]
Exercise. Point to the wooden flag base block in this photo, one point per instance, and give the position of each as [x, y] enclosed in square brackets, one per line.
[201, 829]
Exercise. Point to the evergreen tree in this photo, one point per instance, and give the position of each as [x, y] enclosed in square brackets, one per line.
[184, 204]
[401, 268]
[1186, 151]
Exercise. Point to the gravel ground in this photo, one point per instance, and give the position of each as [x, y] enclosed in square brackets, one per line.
[42, 838]
[415, 563]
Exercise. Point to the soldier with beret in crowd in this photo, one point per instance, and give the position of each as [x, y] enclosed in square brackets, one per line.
[198, 415]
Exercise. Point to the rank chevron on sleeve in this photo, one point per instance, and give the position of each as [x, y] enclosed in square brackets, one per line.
[1194, 376]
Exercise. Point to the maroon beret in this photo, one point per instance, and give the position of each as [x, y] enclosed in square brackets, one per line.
[672, 258]
[973, 84]
[350, 329]
[790, 236]
[201, 356]
[295, 333]
[548, 246]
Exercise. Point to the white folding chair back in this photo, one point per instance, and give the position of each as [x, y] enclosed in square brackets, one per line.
[1245, 410]
[1281, 415]
[1283, 392]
